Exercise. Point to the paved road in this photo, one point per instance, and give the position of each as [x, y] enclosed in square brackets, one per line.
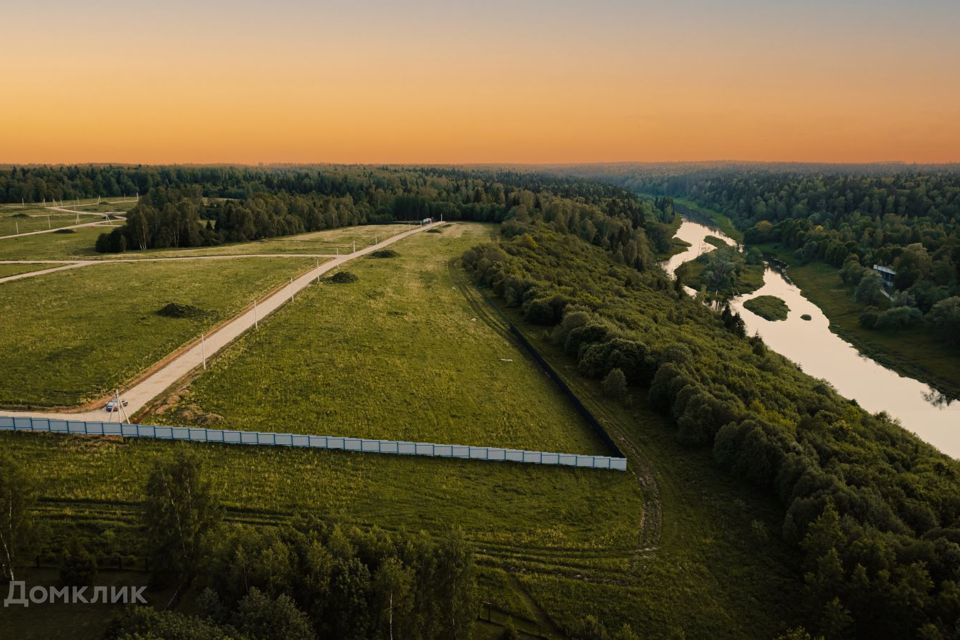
[156, 382]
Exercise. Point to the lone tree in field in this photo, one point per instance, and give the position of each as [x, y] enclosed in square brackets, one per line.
[180, 513]
[17, 495]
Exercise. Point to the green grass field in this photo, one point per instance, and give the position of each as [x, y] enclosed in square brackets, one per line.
[327, 242]
[71, 336]
[914, 352]
[80, 245]
[14, 269]
[768, 307]
[36, 220]
[399, 354]
[520, 518]
[54, 246]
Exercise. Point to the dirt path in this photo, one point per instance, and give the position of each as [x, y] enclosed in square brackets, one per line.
[41, 272]
[95, 223]
[155, 382]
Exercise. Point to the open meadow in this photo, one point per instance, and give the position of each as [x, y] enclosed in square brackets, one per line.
[66, 244]
[72, 336]
[78, 244]
[28, 220]
[398, 354]
[15, 269]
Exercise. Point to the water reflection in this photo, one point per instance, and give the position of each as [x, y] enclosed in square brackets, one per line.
[822, 354]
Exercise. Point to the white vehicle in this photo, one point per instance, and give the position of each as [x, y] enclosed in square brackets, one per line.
[113, 406]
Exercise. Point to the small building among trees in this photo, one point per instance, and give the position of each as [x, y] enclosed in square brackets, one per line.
[887, 274]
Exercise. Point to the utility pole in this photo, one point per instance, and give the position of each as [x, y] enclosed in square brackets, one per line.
[354, 246]
[256, 324]
[203, 352]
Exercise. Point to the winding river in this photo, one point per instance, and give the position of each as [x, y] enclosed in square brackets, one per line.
[823, 354]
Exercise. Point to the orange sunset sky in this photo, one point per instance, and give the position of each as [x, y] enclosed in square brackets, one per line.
[455, 82]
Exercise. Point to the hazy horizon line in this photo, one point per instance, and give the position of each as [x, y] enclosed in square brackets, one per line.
[583, 163]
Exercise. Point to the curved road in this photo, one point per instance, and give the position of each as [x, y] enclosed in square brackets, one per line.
[160, 379]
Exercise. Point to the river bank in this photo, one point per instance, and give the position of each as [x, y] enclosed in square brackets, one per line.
[806, 338]
[911, 352]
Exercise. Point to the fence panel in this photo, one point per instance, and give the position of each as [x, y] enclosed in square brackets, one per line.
[360, 445]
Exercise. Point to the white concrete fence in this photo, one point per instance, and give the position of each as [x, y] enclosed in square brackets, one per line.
[340, 443]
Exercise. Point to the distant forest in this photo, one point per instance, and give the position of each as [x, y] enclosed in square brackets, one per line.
[852, 219]
[190, 207]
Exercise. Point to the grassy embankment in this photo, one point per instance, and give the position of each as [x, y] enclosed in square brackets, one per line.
[768, 307]
[913, 352]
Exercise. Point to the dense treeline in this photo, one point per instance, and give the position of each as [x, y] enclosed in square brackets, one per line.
[906, 220]
[874, 511]
[316, 580]
[199, 206]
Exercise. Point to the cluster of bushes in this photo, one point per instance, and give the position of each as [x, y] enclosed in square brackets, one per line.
[874, 511]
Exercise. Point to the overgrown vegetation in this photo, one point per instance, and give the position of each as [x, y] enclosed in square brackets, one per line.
[768, 307]
[875, 511]
[723, 273]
